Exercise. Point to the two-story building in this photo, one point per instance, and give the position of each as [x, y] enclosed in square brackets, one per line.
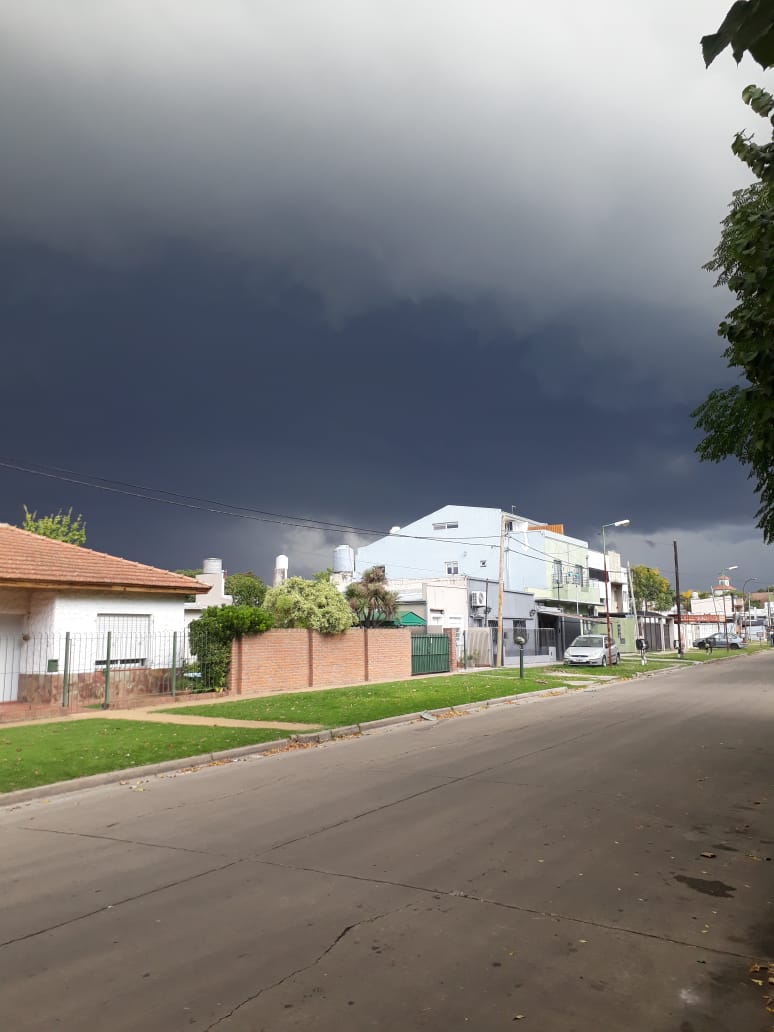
[546, 583]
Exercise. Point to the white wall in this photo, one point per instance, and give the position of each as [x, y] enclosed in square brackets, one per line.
[77, 612]
[49, 616]
[718, 605]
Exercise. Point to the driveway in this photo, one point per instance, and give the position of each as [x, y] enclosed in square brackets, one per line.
[595, 861]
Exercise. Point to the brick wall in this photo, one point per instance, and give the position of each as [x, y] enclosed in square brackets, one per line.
[339, 658]
[275, 661]
[282, 660]
[389, 655]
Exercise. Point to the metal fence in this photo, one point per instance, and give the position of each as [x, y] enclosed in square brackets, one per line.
[429, 653]
[110, 669]
[480, 645]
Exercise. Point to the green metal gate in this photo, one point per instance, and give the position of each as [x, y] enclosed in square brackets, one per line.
[429, 653]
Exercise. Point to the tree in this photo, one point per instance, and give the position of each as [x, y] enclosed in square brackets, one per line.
[246, 589]
[211, 635]
[747, 28]
[373, 604]
[738, 421]
[651, 590]
[685, 600]
[313, 604]
[60, 526]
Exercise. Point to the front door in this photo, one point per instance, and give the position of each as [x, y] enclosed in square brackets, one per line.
[10, 656]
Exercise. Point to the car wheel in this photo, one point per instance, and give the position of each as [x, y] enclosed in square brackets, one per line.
[604, 661]
[617, 659]
[735, 645]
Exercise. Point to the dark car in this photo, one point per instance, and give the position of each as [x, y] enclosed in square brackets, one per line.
[719, 641]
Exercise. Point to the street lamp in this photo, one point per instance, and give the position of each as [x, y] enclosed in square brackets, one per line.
[618, 523]
[747, 635]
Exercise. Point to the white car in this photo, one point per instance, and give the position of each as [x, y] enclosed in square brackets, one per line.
[592, 650]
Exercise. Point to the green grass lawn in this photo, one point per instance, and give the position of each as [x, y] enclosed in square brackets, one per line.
[339, 707]
[44, 753]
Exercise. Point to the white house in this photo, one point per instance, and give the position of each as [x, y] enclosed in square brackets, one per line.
[50, 589]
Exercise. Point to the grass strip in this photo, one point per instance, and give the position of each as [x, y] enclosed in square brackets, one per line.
[44, 753]
[339, 707]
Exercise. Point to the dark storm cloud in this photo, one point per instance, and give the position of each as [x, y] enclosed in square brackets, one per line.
[358, 260]
[210, 378]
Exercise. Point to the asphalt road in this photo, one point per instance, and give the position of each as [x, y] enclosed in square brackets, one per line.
[537, 866]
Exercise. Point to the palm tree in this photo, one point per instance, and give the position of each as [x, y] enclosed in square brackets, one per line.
[373, 604]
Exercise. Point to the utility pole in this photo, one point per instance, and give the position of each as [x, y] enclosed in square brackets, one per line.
[501, 590]
[680, 652]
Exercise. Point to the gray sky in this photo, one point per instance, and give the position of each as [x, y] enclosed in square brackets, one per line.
[509, 203]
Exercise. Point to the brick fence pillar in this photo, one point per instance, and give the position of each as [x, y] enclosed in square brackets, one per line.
[234, 676]
[451, 634]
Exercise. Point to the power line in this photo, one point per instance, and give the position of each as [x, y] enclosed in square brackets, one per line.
[184, 501]
[246, 512]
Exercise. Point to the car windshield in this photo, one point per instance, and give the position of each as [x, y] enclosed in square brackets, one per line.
[588, 641]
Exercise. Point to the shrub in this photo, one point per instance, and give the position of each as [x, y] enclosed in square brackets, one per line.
[313, 604]
[211, 636]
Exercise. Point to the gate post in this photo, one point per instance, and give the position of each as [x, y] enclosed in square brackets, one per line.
[174, 663]
[106, 700]
[66, 672]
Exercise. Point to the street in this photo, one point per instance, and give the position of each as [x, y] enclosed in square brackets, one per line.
[596, 861]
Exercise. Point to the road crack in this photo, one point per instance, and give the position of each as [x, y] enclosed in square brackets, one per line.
[515, 908]
[304, 967]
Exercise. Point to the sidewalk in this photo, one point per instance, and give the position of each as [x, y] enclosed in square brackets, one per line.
[150, 714]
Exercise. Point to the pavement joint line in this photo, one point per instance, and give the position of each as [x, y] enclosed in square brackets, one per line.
[122, 841]
[446, 784]
[534, 912]
[118, 903]
[26, 795]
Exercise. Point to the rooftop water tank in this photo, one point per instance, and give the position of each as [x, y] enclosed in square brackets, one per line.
[212, 565]
[281, 562]
[343, 559]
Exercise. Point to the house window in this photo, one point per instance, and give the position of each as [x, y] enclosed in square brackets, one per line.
[482, 563]
[452, 567]
[520, 627]
[579, 575]
[557, 571]
[436, 617]
[451, 525]
[129, 639]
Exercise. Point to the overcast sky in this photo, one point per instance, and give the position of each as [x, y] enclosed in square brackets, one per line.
[354, 261]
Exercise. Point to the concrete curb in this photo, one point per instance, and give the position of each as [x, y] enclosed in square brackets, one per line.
[111, 777]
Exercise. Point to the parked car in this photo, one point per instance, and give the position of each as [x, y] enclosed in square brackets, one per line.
[718, 641]
[591, 650]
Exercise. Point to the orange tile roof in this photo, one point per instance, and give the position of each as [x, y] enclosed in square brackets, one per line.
[30, 560]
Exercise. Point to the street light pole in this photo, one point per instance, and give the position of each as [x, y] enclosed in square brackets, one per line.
[618, 523]
[747, 617]
[726, 570]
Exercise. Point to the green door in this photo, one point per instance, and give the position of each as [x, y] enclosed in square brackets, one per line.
[429, 653]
